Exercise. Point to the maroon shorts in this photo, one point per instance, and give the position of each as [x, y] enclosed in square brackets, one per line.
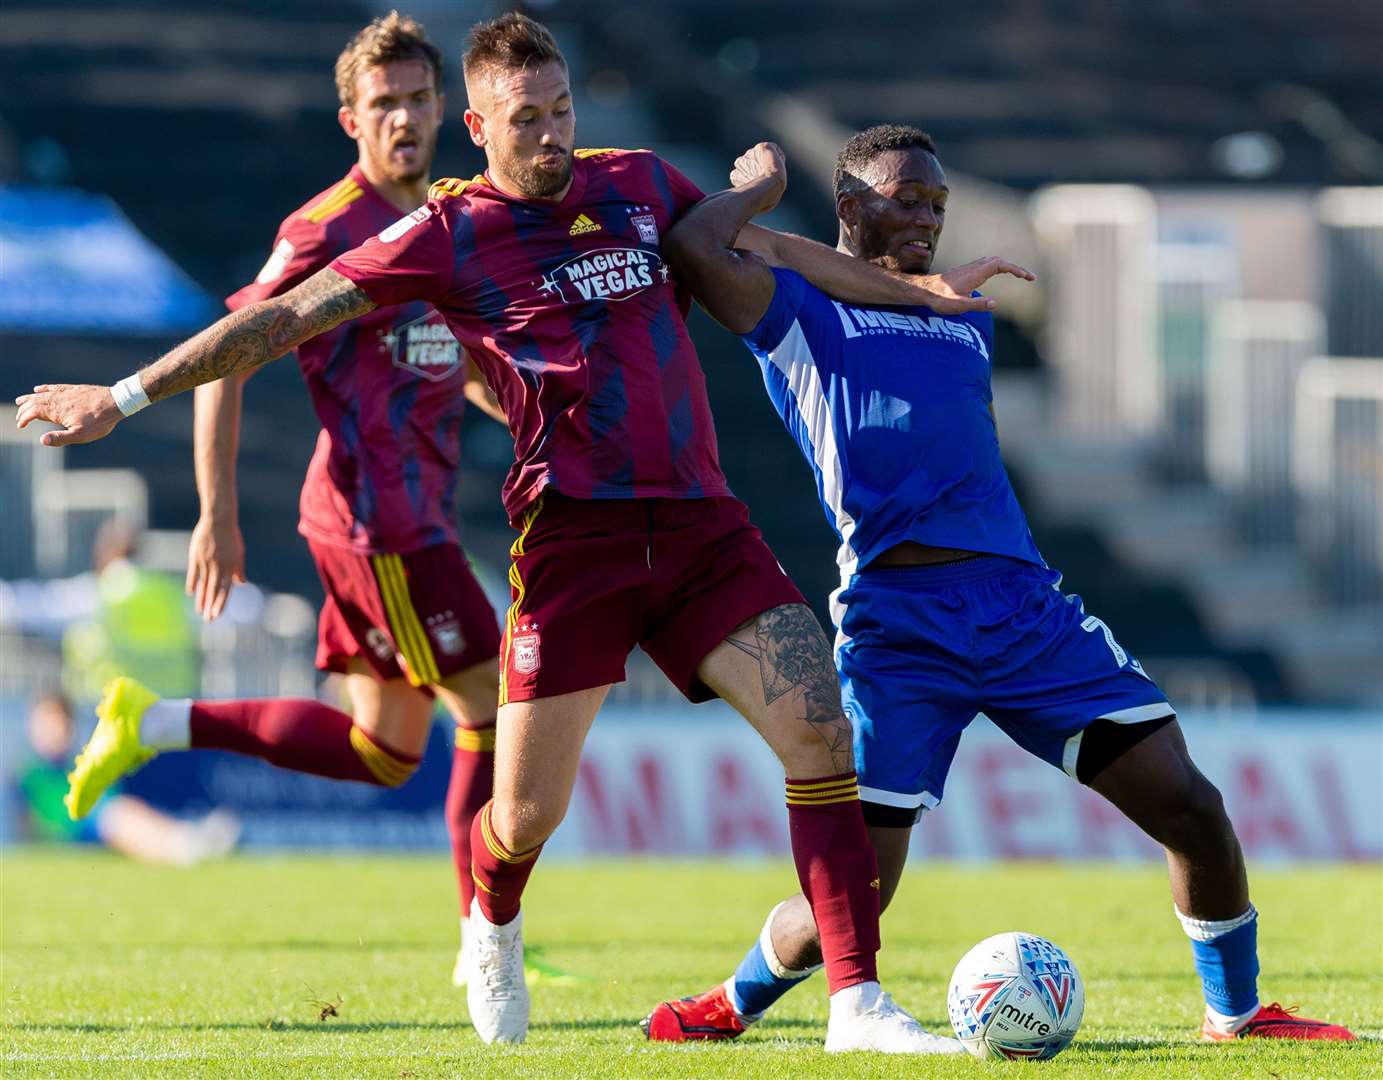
[420, 616]
[592, 578]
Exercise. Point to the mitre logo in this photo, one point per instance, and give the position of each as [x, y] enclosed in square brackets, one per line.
[605, 274]
[425, 347]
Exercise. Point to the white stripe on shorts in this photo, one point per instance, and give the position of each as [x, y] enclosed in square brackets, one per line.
[1070, 754]
[925, 799]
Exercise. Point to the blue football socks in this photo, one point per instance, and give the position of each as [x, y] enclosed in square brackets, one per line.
[760, 979]
[1226, 958]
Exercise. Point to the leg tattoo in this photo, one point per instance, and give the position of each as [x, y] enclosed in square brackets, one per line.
[795, 659]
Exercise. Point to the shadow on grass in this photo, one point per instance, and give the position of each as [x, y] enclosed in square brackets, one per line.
[327, 1027]
[314, 944]
[324, 1027]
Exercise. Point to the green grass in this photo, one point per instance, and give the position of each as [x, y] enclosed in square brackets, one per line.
[113, 969]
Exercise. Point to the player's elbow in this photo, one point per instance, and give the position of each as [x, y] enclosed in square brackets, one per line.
[691, 250]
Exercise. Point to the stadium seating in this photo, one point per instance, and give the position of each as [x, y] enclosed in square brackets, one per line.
[235, 107]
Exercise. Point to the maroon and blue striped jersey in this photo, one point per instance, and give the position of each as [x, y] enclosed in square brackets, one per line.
[571, 314]
[387, 388]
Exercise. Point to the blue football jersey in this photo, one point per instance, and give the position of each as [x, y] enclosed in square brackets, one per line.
[890, 407]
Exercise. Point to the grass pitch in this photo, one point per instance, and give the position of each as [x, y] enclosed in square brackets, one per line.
[114, 969]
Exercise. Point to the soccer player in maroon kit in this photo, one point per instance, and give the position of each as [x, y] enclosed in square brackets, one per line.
[405, 622]
[548, 270]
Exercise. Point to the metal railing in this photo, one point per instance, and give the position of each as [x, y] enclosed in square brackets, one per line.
[1337, 471]
[1097, 243]
[1258, 349]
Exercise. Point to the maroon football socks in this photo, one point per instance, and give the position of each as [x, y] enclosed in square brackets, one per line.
[838, 873]
[299, 734]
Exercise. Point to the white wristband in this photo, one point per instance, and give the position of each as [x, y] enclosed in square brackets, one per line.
[130, 396]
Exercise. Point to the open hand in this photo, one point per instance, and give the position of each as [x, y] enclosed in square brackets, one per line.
[949, 293]
[85, 413]
[215, 562]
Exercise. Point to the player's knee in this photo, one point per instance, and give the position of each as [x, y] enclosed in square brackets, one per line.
[474, 693]
[820, 745]
[1196, 820]
[522, 825]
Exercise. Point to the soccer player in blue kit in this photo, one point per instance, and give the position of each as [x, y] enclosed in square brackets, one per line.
[946, 609]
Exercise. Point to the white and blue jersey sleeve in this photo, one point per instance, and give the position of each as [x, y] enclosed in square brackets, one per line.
[890, 408]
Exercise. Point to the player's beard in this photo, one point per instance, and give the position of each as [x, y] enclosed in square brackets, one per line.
[875, 243]
[421, 165]
[533, 182]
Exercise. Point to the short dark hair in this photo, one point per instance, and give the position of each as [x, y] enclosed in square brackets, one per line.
[857, 154]
[508, 42]
[386, 40]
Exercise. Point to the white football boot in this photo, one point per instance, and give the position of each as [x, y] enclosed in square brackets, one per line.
[863, 1017]
[496, 993]
[458, 970]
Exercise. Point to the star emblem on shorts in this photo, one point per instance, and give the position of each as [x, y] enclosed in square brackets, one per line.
[664, 272]
[548, 286]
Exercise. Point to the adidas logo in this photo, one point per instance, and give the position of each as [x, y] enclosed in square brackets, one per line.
[582, 224]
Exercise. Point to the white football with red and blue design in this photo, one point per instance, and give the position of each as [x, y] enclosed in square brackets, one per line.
[1016, 996]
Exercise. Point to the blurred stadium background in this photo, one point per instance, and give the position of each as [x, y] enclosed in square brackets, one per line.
[1190, 399]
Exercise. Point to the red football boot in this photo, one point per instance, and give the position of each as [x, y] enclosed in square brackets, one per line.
[1275, 1022]
[705, 1016]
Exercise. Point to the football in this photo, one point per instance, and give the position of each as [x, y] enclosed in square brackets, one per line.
[1016, 995]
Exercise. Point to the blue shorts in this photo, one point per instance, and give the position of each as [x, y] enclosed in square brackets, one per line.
[923, 649]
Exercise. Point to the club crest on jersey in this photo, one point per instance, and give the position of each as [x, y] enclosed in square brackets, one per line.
[605, 274]
[425, 347]
[647, 225]
[277, 263]
[525, 651]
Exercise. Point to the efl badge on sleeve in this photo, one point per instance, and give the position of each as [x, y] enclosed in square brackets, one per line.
[278, 262]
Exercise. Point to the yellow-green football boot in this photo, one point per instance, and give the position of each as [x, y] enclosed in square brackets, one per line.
[114, 748]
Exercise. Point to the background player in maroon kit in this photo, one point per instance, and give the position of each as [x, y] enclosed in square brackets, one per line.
[548, 270]
[404, 620]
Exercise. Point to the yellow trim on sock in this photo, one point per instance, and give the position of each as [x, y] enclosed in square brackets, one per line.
[498, 850]
[852, 797]
[386, 767]
[793, 785]
[476, 740]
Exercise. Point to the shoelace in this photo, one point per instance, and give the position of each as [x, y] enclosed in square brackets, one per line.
[721, 1012]
[1289, 1010]
[498, 963]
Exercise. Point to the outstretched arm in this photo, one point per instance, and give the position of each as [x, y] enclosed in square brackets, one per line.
[243, 340]
[858, 281]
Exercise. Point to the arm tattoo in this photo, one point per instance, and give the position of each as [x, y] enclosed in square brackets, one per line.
[256, 334]
[795, 659]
